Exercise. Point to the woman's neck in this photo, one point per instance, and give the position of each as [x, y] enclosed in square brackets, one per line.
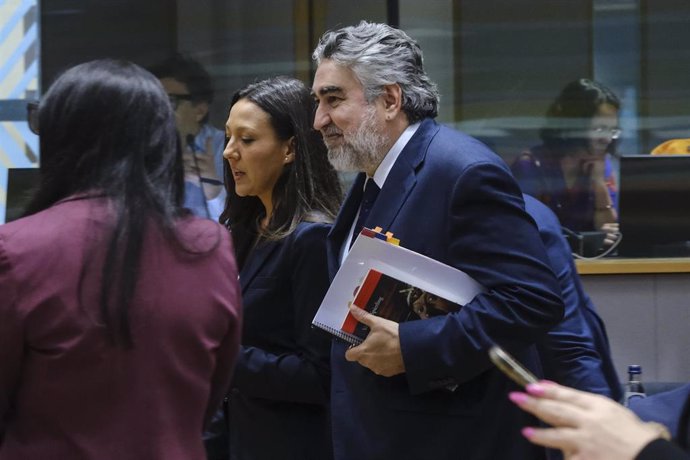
[267, 203]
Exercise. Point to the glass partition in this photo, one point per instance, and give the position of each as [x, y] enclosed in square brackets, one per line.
[503, 68]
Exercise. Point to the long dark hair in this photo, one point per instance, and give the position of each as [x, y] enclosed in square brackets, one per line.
[308, 188]
[107, 128]
[571, 112]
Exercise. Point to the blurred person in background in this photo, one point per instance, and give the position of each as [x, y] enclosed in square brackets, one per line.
[190, 90]
[570, 171]
[576, 351]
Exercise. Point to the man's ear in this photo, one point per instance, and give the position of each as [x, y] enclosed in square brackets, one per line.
[392, 100]
[200, 110]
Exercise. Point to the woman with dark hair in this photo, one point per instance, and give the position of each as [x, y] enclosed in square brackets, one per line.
[570, 172]
[282, 195]
[120, 312]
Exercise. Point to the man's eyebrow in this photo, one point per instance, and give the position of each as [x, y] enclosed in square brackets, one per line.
[328, 90]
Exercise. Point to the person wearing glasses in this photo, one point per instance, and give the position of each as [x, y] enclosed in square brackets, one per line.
[108, 348]
[570, 171]
[190, 91]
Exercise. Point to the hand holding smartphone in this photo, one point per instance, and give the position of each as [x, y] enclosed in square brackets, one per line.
[510, 367]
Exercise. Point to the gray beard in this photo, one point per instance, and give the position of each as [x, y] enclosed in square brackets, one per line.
[362, 151]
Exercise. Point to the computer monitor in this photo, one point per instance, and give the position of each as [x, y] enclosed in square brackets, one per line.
[654, 206]
[21, 183]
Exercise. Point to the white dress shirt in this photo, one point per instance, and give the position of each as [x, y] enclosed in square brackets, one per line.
[380, 176]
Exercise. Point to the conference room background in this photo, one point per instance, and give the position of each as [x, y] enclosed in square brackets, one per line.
[498, 64]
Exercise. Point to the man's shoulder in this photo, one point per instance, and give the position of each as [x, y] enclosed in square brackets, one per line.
[452, 150]
[452, 144]
[441, 132]
[542, 214]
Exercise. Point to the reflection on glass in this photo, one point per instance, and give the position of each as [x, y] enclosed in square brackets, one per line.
[570, 171]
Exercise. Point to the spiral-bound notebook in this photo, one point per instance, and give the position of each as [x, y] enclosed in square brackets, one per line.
[393, 282]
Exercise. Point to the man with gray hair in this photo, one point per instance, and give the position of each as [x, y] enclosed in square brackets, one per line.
[426, 389]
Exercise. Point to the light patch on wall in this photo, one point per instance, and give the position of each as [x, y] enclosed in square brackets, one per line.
[19, 82]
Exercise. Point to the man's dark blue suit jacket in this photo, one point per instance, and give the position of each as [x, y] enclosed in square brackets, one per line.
[576, 352]
[449, 197]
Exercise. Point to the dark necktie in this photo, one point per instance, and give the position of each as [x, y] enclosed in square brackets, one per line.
[371, 191]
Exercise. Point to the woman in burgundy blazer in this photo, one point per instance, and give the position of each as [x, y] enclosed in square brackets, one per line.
[119, 312]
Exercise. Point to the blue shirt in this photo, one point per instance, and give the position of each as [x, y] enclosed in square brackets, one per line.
[195, 200]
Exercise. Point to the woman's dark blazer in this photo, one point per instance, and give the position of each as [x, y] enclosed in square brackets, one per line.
[278, 404]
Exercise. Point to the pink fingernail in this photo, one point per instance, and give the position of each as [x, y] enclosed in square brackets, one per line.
[535, 389]
[517, 397]
[528, 432]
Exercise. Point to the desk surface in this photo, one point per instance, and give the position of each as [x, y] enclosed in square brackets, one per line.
[631, 266]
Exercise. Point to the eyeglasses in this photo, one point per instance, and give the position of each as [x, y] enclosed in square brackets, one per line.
[32, 116]
[176, 98]
[613, 133]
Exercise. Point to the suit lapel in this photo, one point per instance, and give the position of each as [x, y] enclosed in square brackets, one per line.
[399, 183]
[255, 261]
[342, 224]
[402, 177]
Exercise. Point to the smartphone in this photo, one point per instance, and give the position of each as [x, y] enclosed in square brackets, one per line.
[510, 367]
